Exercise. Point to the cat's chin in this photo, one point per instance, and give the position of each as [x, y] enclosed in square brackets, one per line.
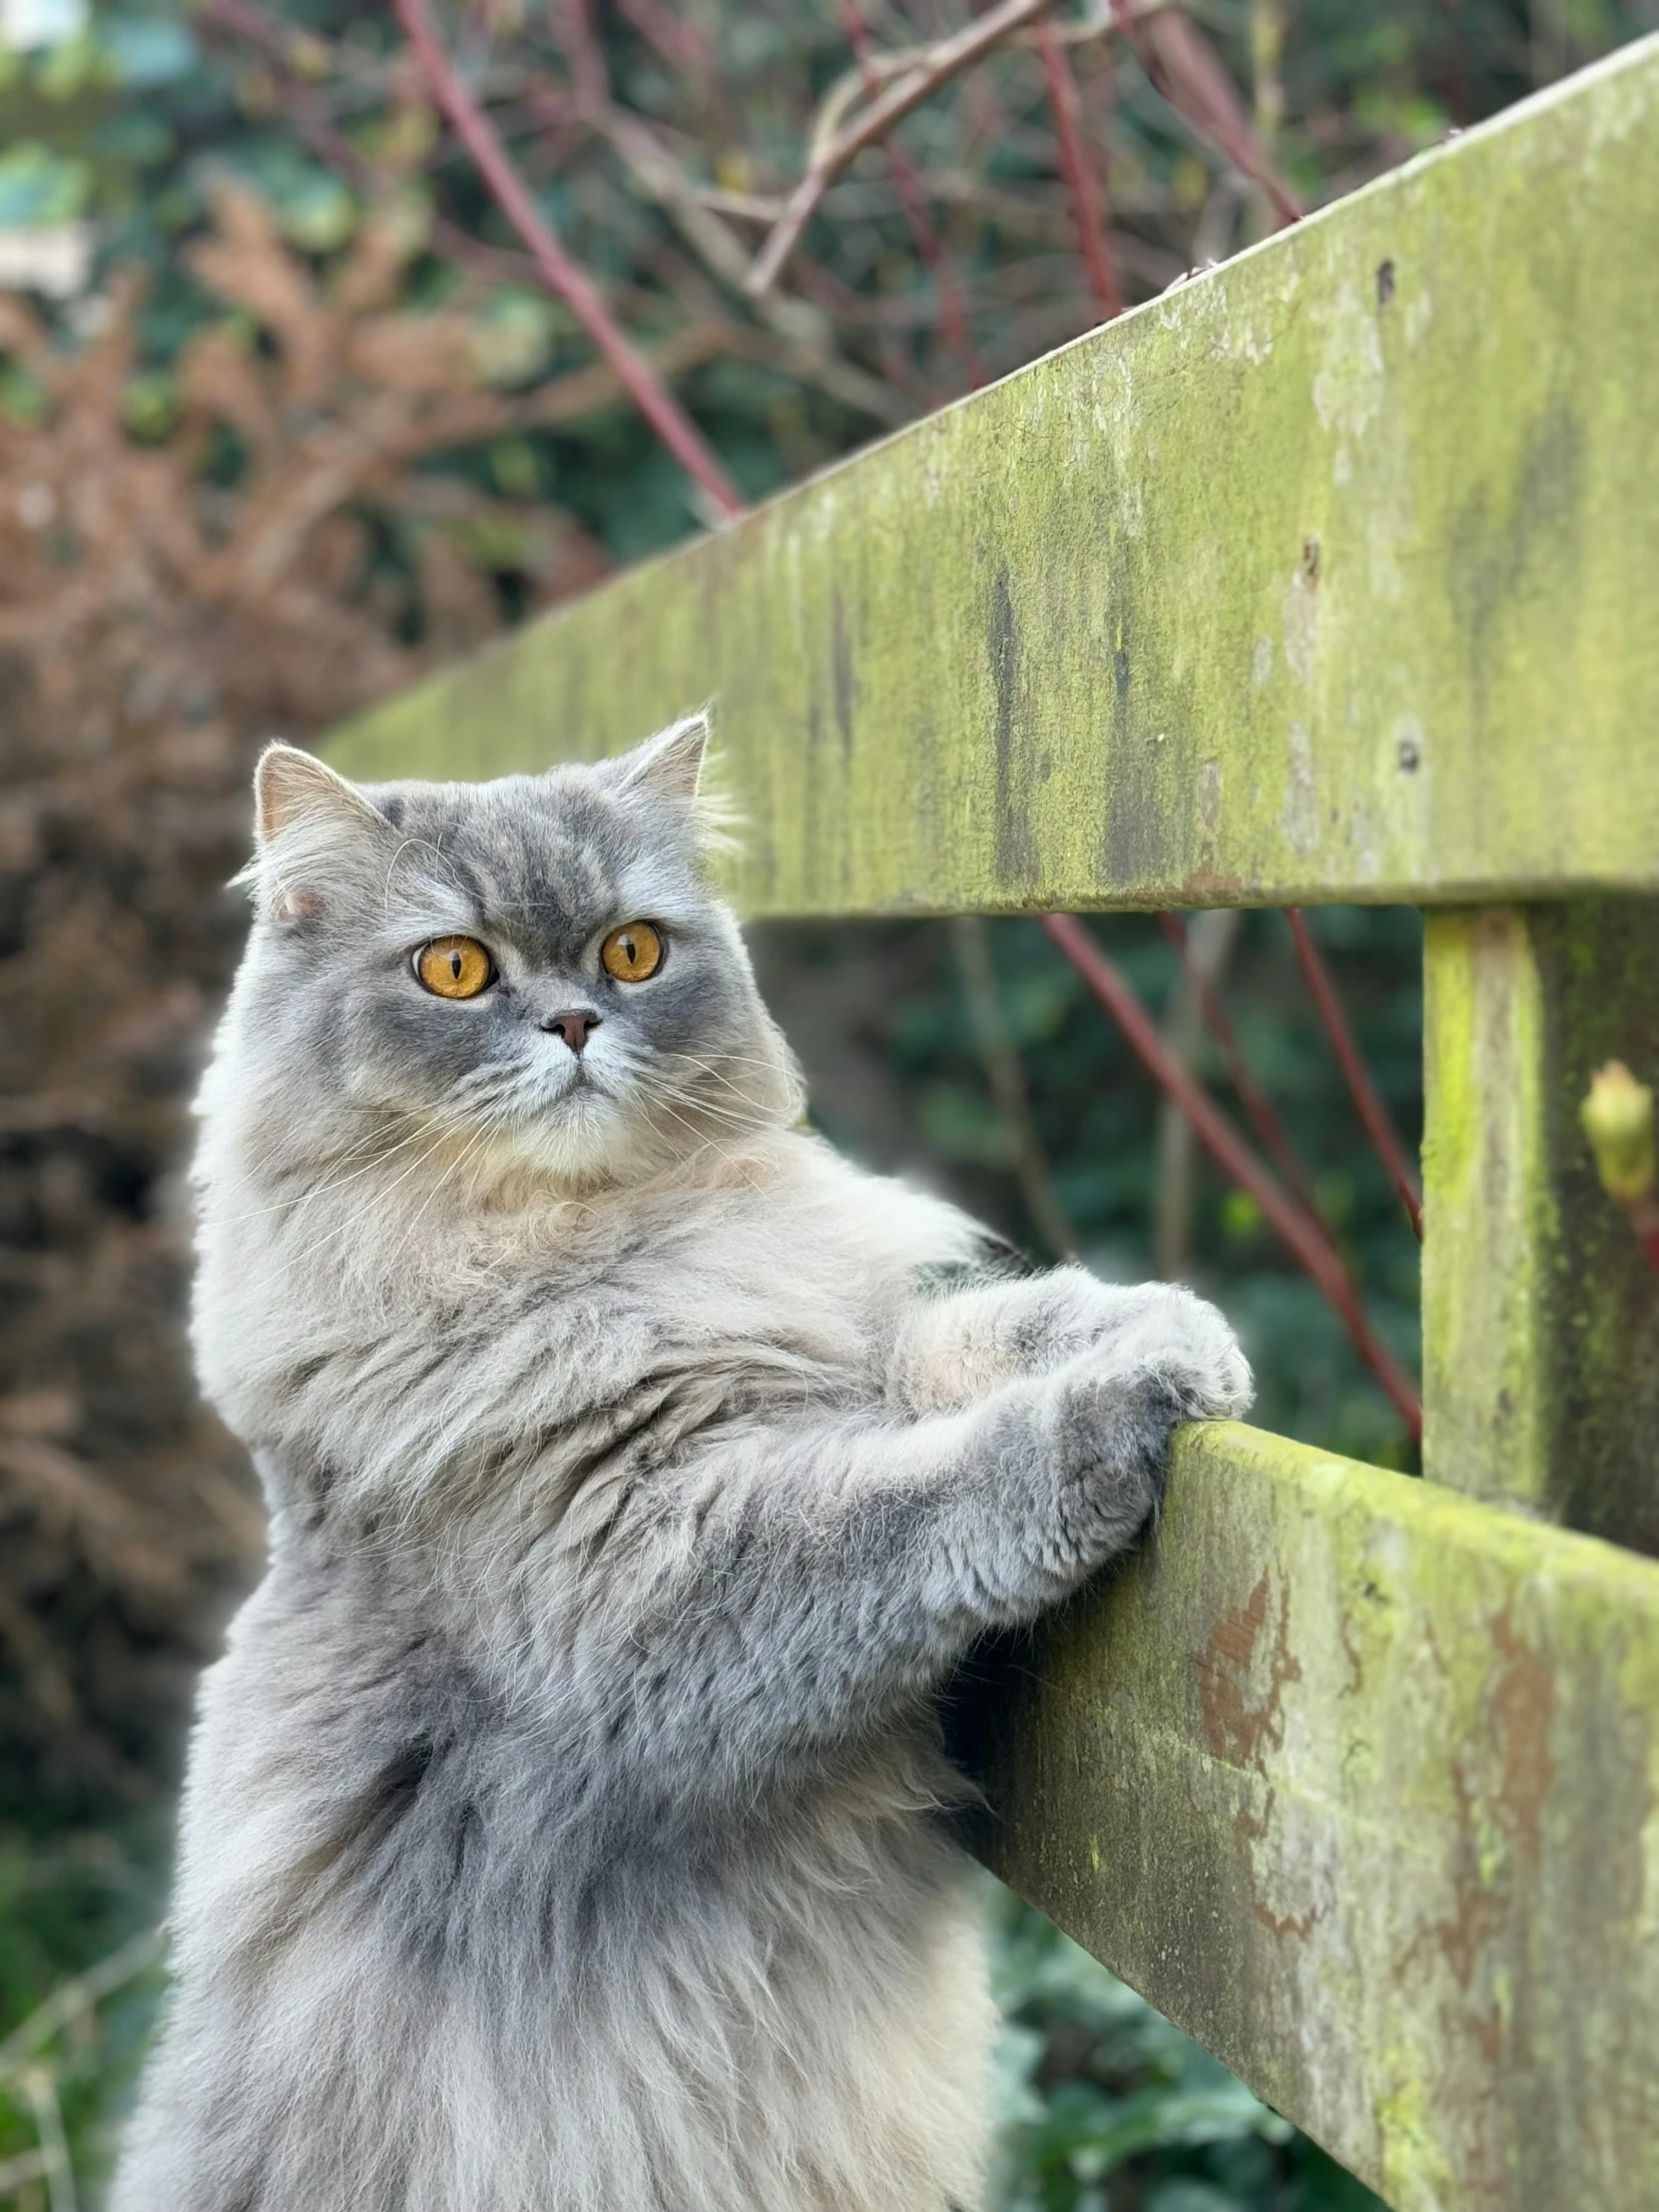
[586, 1141]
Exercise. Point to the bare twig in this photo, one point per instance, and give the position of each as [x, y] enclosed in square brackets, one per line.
[930, 248]
[288, 49]
[1205, 949]
[901, 61]
[1081, 185]
[16, 2173]
[71, 2000]
[745, 207]
[44, 1677]
[802, 347]
[1007, 1081]
[1367, 1099]
[944, 60]
[563, 276]
[1266, 50]
[1644, 1219]
[42, 2093]
[583, 57]
[680, 44]
[1271, 1134]
[1301, 1235]
[1185, 68]
[301, 52]
[802, 332]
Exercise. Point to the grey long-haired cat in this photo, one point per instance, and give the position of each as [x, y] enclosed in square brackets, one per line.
[563, 1831]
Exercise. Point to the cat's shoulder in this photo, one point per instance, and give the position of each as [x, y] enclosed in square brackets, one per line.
[883, 1221]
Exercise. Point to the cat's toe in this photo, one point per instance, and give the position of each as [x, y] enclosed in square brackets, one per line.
[1196, 1349]
[1230, 1391]
[1219, 1386]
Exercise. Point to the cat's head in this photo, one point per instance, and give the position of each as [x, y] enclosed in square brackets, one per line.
[532, 971]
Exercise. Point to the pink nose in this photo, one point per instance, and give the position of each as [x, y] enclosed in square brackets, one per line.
[574, 1026]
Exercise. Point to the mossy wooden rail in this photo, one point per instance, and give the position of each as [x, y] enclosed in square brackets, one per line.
[1331, 575]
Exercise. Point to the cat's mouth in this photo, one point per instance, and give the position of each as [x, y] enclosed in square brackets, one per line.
[578, 1086]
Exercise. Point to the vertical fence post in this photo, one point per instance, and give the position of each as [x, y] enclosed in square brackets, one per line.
[1540, 1310]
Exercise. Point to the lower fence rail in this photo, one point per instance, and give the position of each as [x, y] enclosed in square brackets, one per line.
[1357, 1780]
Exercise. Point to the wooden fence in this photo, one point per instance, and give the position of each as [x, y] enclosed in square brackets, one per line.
[1332, 575]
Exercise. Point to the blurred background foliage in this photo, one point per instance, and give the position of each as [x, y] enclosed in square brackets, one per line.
[286, 418]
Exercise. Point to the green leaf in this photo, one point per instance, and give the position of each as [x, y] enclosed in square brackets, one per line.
[313, 209]
[38, 187]
[150, 404]
[148, 50]
[21, 399]
[514, 335]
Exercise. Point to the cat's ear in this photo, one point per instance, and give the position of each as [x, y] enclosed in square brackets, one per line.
[291, 788]
[674, 764]
[309, 825]
[670, 765]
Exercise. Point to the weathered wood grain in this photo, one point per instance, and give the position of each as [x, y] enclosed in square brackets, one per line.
[1541, 1307]
[1358, 1781]
[1327, 576]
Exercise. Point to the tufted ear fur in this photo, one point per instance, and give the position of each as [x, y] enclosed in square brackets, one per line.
[670, 765]
[309, 824]
[676, 766]
[291, 786]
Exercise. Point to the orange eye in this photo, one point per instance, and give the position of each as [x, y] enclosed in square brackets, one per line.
[455, 968]
[632, 952]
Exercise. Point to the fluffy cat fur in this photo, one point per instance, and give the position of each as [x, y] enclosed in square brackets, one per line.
[563, 1829]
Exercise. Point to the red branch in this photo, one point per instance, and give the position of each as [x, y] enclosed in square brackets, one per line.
[1186, 69]
[1366, 1098]
[1061, 81]
[1303, 1237]
[1271, 1134]
[681, 45]
[563, 276]
[930, 246]
[1642, 1212]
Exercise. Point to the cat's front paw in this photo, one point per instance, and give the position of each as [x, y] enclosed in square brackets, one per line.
[1098, 1429]
[1111, 1412]
[1107, 1437]
[1048, 1320]
[1186, 1348]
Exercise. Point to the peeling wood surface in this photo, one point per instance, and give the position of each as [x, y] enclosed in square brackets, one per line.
[1357, 1780]
[1540, 1309]
[1327, 576]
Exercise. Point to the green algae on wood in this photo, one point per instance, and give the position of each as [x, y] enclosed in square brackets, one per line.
[1357, 1780]
[1540, 1309]
[1329, 575]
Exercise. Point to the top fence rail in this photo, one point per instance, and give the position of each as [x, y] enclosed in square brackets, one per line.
[1329, 575]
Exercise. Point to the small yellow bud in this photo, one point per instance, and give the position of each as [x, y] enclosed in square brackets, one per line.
[308, 57]
[255, 90]
[1617, 1117]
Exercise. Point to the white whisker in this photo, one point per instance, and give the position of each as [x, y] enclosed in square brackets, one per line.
[324, 1189]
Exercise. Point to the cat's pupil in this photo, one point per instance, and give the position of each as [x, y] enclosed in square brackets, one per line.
[455, 965]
